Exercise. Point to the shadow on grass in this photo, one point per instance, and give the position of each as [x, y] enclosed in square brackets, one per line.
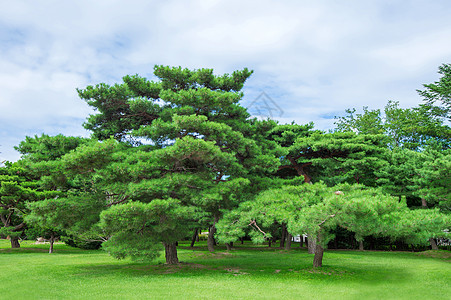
[258, 269]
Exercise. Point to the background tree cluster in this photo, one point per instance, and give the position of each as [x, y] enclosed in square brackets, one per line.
[173, 156]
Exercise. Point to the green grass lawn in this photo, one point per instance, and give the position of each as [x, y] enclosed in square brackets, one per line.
[245, 273]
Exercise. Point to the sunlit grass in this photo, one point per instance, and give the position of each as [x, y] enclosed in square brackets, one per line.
[244, 273]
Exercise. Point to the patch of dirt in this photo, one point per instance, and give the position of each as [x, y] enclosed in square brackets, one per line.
[436, 254]
[326, 271]
[215, 255]
[236, 271]
[24, 249]
[170, 269]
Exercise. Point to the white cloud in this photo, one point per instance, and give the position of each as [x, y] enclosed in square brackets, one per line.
[315, 59]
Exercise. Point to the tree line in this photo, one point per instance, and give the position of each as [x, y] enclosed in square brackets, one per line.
[172, 156]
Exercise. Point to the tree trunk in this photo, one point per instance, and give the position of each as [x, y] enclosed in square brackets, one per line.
[284, 234]
[288, 244]
[300, 169]
[228, 246]
[424, 204]
[170, 252]
[211, 238]
[242, 240]
[193, 239]
[52, 240]
[311, 245]
[51, 246]
[361, 245]
[318, 258]
[15, 242]
[301, 241]
[433, 244]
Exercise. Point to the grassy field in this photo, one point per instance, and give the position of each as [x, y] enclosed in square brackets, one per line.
[245, 273]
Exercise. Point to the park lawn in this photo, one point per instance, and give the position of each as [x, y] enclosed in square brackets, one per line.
[247, 272]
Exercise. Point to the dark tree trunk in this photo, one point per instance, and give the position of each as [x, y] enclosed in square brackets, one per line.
[228, 246]
[301, 241]
[361, 245]
[15, 242]
[211, 238]
[433, 244]
[284, 234]
[288, 244]
[242, 240]
[193, 239]
[311, 245]
[170, 252]
[318, 258]
[269, 243]
[300, 168]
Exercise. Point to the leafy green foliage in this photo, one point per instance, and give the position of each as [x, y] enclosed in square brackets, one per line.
[410, 128]
[138, 228]
[437, 95]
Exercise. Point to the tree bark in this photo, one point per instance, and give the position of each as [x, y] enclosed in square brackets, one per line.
[52, 240]
[193, 239]
[424, 203]
[228, 246]
[170, 252]
[318, 258]
[311, 245]
[288, 244]
[15, 242]
[284, 234]
[300, 169]
[361, 245]
[211, 238]
[433, 244]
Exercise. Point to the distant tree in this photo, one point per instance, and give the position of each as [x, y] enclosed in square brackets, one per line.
[17, 187]
[370, 122]
[437, 95]
[410, 128]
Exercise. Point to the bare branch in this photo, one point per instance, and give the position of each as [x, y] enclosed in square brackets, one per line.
[324, 221]
[253, 223]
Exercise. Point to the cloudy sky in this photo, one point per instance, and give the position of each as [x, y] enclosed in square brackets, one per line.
[313, 59]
